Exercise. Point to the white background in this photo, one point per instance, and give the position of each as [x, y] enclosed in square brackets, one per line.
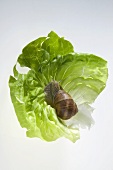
[88, 24]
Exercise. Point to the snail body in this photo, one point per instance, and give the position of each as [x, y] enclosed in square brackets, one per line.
[60, 100]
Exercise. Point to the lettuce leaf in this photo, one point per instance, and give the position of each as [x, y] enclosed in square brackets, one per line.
[50, 58]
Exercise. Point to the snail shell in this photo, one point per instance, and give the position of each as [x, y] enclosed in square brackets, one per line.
[61, 101]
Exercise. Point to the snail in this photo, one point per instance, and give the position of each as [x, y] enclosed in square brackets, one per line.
[60, 100]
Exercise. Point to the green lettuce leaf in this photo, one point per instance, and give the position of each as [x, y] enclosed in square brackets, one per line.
[50, 58]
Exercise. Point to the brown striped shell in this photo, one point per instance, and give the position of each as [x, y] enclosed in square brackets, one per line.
[61, 101]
